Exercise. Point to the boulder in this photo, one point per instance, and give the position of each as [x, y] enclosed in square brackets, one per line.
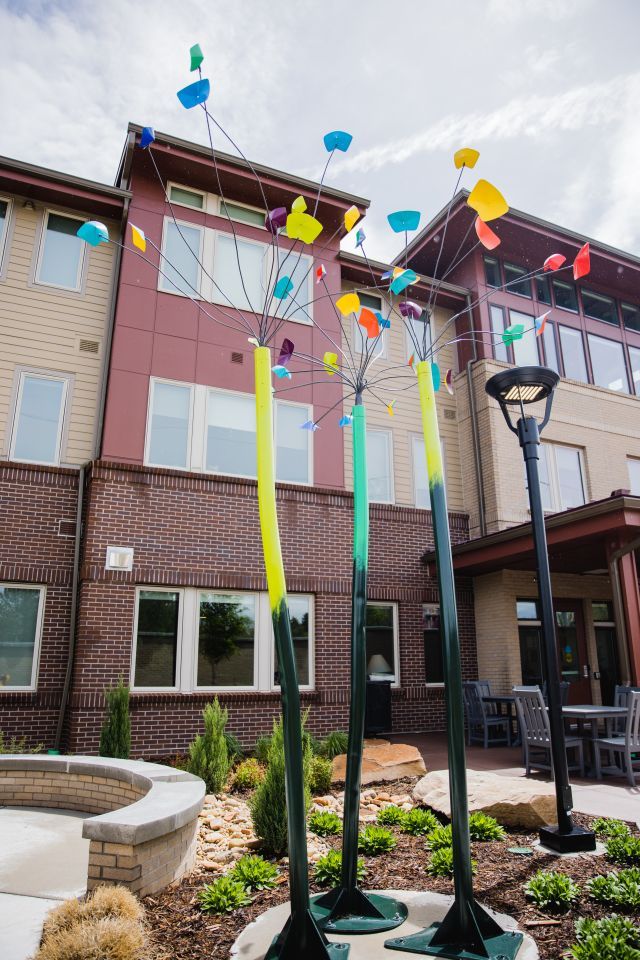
[382, 761]
[513, 801]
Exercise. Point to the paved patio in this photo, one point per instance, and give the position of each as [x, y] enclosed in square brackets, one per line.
[610, 797]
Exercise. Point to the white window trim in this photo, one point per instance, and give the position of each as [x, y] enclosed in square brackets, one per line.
[147, 438]
[389, 434]
[187, 642]
[65, 379]
[187, 206]
[4, 236]
[396, 636]
[37, 642]
[41, 244]
[631, 460]
[552, 470]
[164, 262]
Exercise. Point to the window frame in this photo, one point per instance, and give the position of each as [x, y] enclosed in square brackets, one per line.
[395, 683]
[626, 385]
[275, 687]
[310, 446]
[389, 434]
[192, 652]
[488, 259]
[507, 283]
[499, 344]
[585, 355]
[179, 203]
[631, 460]
[42, 239]
[357, 332]
[37, 641]
[197, 293]
[554, 481]
[190, 434]
[247, 206]
[565, 283]
[65, 404]
[145, 588]
[599, 296]
[418, 438]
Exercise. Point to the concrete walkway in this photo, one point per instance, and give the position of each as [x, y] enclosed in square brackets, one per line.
[43, 860]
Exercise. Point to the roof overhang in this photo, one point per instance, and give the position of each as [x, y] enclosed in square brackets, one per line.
[359, 270]
[53, 187]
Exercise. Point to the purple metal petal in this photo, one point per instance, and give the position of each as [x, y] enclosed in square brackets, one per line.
[276, 219]
[410, 309]
[286, 352]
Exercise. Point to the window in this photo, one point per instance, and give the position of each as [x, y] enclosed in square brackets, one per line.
[550, 349]
[293, 449]
[530, 637]
[514, 284]
[433, 665]
[543, 290]
[525, 350]
[497, 329]
[379, 466]
[631, 316]
[565, 295]
[298, 305]
[181, 251]
[360, 339]
[239, 272]
[40, 408]
[231, 433]
[421, 496]
[419, 331]
[607, 363]
[606, 648]
[4, 225]
[61, 254]
[382, 642]
[561, 477]
[598, 307]
[492, 272]
[238, 211]
[20, 628]
[633, 466]
[186, 198]
[573, 359]
[169, 425]
[634, 358]
[193, 639]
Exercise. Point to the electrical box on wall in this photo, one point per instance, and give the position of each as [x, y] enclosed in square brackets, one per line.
[119, 558]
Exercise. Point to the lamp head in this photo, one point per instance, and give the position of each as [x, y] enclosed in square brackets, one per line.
[519, 386]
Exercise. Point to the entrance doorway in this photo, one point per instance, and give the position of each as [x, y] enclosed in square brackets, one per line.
[572, 649]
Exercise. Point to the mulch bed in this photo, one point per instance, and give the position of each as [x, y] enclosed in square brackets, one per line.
[181, 931]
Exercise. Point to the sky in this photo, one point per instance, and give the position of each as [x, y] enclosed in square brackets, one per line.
[546, 90]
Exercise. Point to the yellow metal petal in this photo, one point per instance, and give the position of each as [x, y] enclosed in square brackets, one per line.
[302, 226]
[138, 238]
[351, 217]
[466, 157]
[487, 201]
[348, 303]
[299, 205]
[330, 363]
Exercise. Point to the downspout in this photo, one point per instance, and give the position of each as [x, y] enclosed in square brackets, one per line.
[477, 458]
[618, 604]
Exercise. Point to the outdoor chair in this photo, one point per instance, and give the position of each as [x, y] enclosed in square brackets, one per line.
[536, 733]
[482, 717]
[621, 698]
[628, 746]
[564, 692]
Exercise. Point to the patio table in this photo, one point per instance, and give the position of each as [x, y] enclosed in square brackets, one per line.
[592, 713]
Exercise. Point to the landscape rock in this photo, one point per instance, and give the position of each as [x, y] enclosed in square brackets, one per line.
[382, 761]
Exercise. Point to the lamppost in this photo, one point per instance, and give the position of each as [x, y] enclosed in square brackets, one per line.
[516, 388]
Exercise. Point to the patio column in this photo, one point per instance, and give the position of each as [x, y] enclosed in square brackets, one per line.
[631, 602]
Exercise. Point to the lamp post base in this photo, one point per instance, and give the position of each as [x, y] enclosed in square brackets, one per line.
[305, 939]
[576, 840]
[353, 911]
[505, 946]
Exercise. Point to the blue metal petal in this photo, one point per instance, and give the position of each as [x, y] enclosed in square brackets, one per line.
[194, 94]
[93, 232]
[403, 220]
[147, 136]
[337, 140]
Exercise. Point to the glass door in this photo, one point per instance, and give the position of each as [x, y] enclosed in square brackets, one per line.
[572, 649]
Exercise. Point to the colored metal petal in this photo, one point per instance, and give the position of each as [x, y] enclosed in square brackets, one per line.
[512, 333]
[384, 322]
[93, 232]
[403, 280]
[410, 310]
[283, 288]
[540, 323]
[276, 219]
[330, 363]
[299, 205]
[196, 55]
[411, 360]
[448, 381]
[138, 238]
[194, 94]
[465, 157]
[348, 303]
[286, 352]
[254, 341]
[360, 237]
[487, 201]
[554, 262]
[345, 421]
[582, 263]
[390, 408]
[321, 273]
[486, 236]
[435, 374]
[309, 425]
[386, 275]
[403, 220]
[147, 136]
[302, 226]
[369, 321]
[337, 140]
[281, 372]
[351, 217]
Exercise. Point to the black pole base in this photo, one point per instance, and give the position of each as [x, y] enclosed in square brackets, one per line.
[467, 932]
[576, 840]
[353, 911]
[301, 937]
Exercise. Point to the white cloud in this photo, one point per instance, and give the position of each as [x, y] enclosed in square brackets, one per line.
[542, 10]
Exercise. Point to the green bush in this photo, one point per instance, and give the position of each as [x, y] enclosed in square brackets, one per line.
[612, 938]
[391, 815]
[441, 863]
[261, 748]
[320, 775]
[325, 824]
[419, 822]
[247, 775]
[440, 838]
[208, 754]
[483, 828]
[624, 849]
[606, 827]
[328, 869]
[375, 840]
[224, 895]
[621, 888]
[115, 736]
[552, 890]
[334, 744]
[234, 747]
[18, 745]
[254, 872]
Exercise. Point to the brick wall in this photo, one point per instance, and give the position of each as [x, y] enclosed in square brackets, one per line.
[66, 791]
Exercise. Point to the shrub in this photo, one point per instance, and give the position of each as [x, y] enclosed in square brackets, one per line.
[328, 869]
[618, 889]
[261, 748]
[441, 863]
[376, 840]
[224, 895]
[605, 827]
[612, 938]
[325, 824]
[18, 745]
[109, 938]
[247, 775]
[208, 754]
[254, 872]
[419, 822]
[234, 747]
[624, 849]
[391, 815]
[483, 828]
[440, 838]
[320, 775]
[115, 736]
[104, 902]
[552, 890]
[334, 744]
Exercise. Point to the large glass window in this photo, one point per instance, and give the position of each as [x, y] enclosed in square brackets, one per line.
[634, 357]
[379, 466]
[607, 363]
[550, 349]
[292, 443]
[606, 648]
[565, 295]
[298, 305]
[573, 359]
[170, 414]
[156, 647]
[561, 477]
[529, 634]
[226, 640]
[525, 350]
[421, 334]
[421, 496]
[61, 252]
[37, 431]
[543, 290]
[630, 316]
[20, 617]
[300, 617]
[382, 642]
[633, 466]
[231, 433]
[181, 251]
[239, 273]
[492, 272]
[513, 283]
[497, 329]
[433, 664]
[599, 307]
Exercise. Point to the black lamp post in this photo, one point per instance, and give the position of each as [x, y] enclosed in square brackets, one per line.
[518, 387]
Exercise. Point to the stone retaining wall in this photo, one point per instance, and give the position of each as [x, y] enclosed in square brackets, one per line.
[67, 791]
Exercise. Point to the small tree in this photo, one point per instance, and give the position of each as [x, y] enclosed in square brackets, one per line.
[209, 753]
[115, 736]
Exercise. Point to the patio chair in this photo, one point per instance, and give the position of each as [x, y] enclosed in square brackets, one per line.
[564, 692]
[536, 733]
[628, 746]
[621, 697]
[482, 717]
